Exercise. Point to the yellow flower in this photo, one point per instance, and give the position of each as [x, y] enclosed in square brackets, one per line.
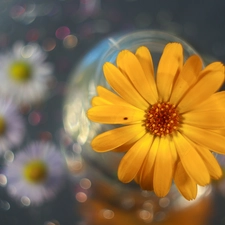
[171, 121]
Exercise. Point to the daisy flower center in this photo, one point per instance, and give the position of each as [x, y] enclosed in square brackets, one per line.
[35, 171]
[162, 119]
[2, 125]
[20, 71]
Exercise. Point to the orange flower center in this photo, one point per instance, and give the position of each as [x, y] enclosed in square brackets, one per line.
[162, 119]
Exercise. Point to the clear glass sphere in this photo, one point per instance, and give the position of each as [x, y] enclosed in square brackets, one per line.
[99, 170]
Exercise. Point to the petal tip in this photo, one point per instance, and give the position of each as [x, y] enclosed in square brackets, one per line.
[142, 48]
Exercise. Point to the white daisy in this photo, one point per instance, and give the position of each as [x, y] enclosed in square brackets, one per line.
[12, 127]
[37, 173]
[24, 75]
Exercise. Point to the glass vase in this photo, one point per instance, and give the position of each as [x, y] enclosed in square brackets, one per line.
[102, 198]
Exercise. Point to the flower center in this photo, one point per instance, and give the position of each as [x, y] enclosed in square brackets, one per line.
[35, 171]
[162, 119]
[2, 125]
[20, 71]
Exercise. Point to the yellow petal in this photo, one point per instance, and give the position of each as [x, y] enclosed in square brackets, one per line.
[212, 67]
[164, 165]
[203, 137]
[137, 179]
[134, 158]
[173, 150]
[186, 185]
[147, 170]
[214, 102]
[111, 97]
[186, 78]
[113, 114]
[220, 132]
[204, 88]
[125, 147]
[206, 119]
[114, 138]
[128, 63]
[191, 161]
[145, 59]
[145, 182]
[123, 86]
[170, 65]
[210, 162]
[99, 101]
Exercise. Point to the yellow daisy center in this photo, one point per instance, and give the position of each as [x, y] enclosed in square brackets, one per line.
[2, 125]
[20, 71]
[162, 119]
[35, 171]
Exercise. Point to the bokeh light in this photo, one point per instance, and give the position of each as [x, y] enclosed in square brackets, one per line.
[108, 214]
[81, 197]
[3, 180]
[4, 205]
[62, 32]
[70, 41]
[25, 201]
[49, 44]
[85, 183]
[34, 118]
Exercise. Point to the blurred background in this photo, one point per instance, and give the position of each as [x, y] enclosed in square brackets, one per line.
[60, 33]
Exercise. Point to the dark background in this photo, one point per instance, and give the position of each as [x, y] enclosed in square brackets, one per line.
[200, 23]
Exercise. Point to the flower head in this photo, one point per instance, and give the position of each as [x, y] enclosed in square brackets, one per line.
[36, 173]
[171, 120]
[12, 127]
[24, 75]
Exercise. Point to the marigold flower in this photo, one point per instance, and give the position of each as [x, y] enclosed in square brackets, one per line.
[171, 121]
